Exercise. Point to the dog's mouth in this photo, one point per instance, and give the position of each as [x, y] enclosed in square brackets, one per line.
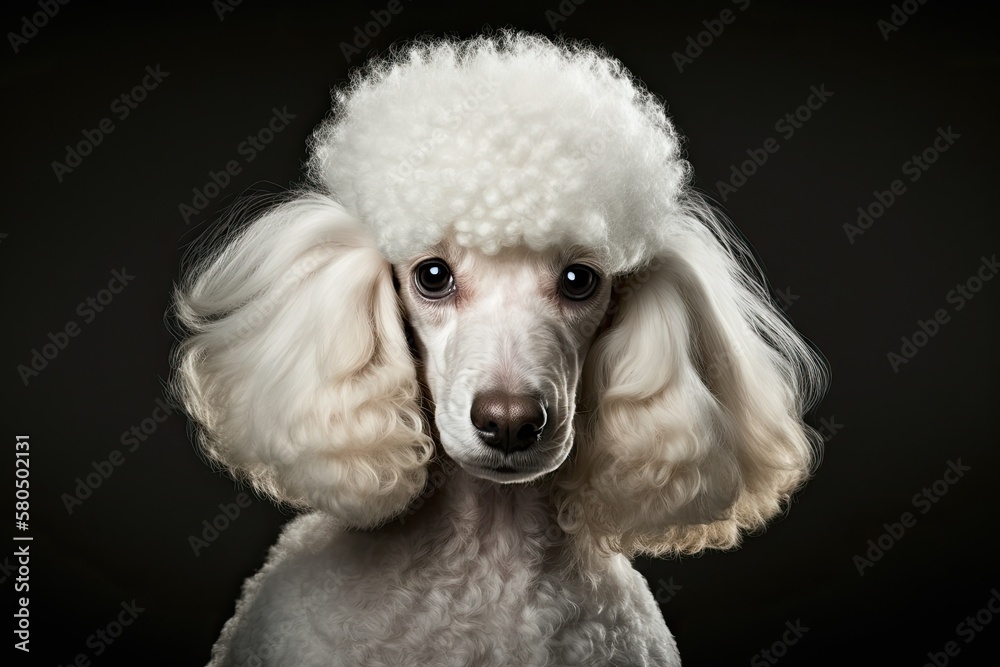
[503, 474]
[480, 460]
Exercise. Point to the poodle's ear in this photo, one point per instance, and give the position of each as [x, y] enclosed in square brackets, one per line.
[692, 400]
[297, 369]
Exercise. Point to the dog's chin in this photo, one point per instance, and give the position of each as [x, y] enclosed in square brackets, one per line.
[515, 469]
[503, 474]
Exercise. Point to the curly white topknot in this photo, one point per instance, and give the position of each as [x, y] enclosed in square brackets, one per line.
[503, 140]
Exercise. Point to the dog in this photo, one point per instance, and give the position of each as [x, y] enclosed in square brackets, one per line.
[496, 347]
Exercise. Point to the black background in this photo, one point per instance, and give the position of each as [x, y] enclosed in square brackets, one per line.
[895, 433]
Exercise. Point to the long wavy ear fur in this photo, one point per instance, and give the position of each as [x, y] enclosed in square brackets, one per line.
[297, 369]
[693, 400]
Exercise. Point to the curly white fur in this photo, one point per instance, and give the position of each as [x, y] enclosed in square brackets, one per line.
[675, 395]
[315, 404]
[482, 141]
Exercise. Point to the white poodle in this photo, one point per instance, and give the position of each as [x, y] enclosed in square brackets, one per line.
[499, 346]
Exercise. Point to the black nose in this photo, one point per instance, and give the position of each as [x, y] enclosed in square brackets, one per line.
[508, 422]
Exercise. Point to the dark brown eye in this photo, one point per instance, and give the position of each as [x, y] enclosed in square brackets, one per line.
[578, 282]
[433, 279]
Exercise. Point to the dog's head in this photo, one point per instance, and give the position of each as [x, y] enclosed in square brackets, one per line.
[578, 315]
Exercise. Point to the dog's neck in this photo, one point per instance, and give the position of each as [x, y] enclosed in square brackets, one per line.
[461, 513]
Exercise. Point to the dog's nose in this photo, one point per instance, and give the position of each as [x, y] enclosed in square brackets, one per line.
[508, 422]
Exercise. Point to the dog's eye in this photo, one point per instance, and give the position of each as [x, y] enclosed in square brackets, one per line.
[433, 279]
[578, 282]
